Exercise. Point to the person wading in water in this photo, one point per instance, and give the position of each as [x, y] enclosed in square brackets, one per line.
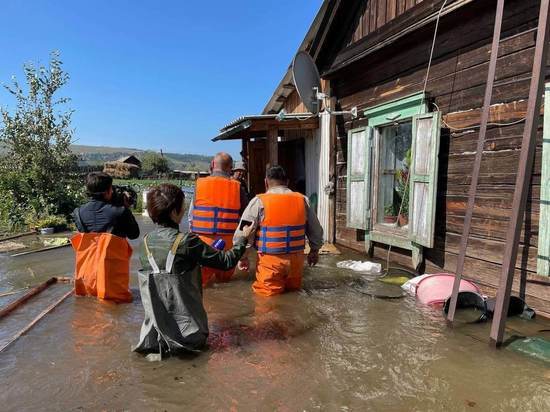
[170, 279]
[283, 220]
[217, 206]
[102, 251]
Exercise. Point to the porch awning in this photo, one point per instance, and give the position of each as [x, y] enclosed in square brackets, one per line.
[247, 127]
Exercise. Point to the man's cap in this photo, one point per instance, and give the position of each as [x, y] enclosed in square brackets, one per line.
[239, 166]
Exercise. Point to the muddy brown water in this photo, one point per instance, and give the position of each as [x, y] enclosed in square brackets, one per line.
[327, 347]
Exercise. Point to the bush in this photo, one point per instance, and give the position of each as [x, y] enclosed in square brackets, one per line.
[154, 163]
[38, 170]
[44, 221]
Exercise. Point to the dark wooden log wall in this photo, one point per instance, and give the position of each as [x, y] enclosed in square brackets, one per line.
[375, 13]
[456, 84]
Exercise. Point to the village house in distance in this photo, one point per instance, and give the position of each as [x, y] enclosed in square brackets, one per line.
[126, 167]
[374, 56]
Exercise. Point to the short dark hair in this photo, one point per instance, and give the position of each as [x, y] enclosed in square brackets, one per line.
[162, 200]
[97, 183]
[276, 173]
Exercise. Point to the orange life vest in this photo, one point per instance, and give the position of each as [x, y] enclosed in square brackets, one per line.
[102, 266]
[217, 206]
[283, 228]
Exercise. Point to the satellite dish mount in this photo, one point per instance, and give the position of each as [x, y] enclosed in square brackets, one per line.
[308, 85]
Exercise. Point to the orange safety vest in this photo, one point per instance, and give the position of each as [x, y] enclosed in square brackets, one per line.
[283, 228]
[102, 266]
[217, 206]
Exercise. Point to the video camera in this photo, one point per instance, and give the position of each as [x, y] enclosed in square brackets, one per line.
[121, 192]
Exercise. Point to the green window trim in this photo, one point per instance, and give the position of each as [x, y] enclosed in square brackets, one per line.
[396, 110]
[358, 215]
[410, 107]
[543, 252]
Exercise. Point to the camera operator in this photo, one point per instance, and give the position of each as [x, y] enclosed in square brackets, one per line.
[102, 214]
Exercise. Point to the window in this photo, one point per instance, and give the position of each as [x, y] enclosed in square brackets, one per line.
[543, 254]
[392, 174]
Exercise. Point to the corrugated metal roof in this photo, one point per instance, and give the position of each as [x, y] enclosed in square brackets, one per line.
[234, 127]
[248, 117]
[244, 122]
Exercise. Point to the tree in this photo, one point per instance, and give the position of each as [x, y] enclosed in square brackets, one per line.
[154, 163]
[37, 167]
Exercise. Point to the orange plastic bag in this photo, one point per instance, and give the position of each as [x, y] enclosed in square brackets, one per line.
[102, 266]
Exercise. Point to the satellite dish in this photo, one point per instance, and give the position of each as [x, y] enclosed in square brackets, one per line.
[307, 80]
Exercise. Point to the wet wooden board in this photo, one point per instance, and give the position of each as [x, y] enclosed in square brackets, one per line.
[29, 252]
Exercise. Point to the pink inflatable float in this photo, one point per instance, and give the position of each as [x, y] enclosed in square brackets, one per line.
[435, 289]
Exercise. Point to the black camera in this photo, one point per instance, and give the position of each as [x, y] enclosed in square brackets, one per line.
[121, 192]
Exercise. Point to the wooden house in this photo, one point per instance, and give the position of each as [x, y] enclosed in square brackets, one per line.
[124, 168]
[419, 115]
[132, 160]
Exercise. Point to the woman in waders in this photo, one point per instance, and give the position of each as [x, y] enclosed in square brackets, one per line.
[170, 278]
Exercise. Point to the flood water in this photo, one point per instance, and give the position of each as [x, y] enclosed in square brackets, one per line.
[328, 347]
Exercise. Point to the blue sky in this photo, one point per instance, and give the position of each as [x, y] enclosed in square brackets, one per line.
[157, 74]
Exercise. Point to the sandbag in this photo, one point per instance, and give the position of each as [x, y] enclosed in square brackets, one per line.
[360, 266]
[102, 267]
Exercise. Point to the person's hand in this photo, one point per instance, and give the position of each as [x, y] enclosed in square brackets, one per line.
[126, 200]
[244, 264]
[247, 230]
[313, 257]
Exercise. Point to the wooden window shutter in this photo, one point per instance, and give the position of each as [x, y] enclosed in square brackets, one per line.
[543, 253]
[426, 132]
[358, 178]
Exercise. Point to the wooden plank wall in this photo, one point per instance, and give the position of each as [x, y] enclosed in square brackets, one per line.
[456, 83]
[375, 13]
[293, 104]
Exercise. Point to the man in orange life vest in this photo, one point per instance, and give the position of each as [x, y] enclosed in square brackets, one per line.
[217, 206]
[283, 219]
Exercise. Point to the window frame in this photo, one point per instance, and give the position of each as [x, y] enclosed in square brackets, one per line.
[543, 247]
[379, 116]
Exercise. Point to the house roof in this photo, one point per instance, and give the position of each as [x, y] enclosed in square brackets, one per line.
[124, 159]
[311, 43]
[328, 21]
[256, 125]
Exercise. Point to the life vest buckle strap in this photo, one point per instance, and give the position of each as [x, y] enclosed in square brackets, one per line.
[284, 228]
[211, 219]
[215, 208]
[287, 239]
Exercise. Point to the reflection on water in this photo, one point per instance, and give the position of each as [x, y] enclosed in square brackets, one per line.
[328, 347]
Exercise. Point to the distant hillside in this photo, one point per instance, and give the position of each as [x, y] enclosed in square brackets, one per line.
[97, 155]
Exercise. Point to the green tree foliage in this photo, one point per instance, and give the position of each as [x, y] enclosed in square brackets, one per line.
[154, 163]
[37, 168]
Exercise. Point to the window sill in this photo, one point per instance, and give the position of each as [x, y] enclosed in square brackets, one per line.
[392, 229]
[390, 235]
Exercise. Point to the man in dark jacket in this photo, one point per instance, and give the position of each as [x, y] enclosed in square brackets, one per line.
[99, 215]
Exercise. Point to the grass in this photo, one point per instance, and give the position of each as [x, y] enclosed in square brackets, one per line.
[144, 183]
[139, 184]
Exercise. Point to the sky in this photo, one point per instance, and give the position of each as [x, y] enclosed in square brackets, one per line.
[157, 74]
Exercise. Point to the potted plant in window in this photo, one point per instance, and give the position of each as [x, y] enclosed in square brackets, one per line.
[390, 214]
[402, 193]
[402, 189]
